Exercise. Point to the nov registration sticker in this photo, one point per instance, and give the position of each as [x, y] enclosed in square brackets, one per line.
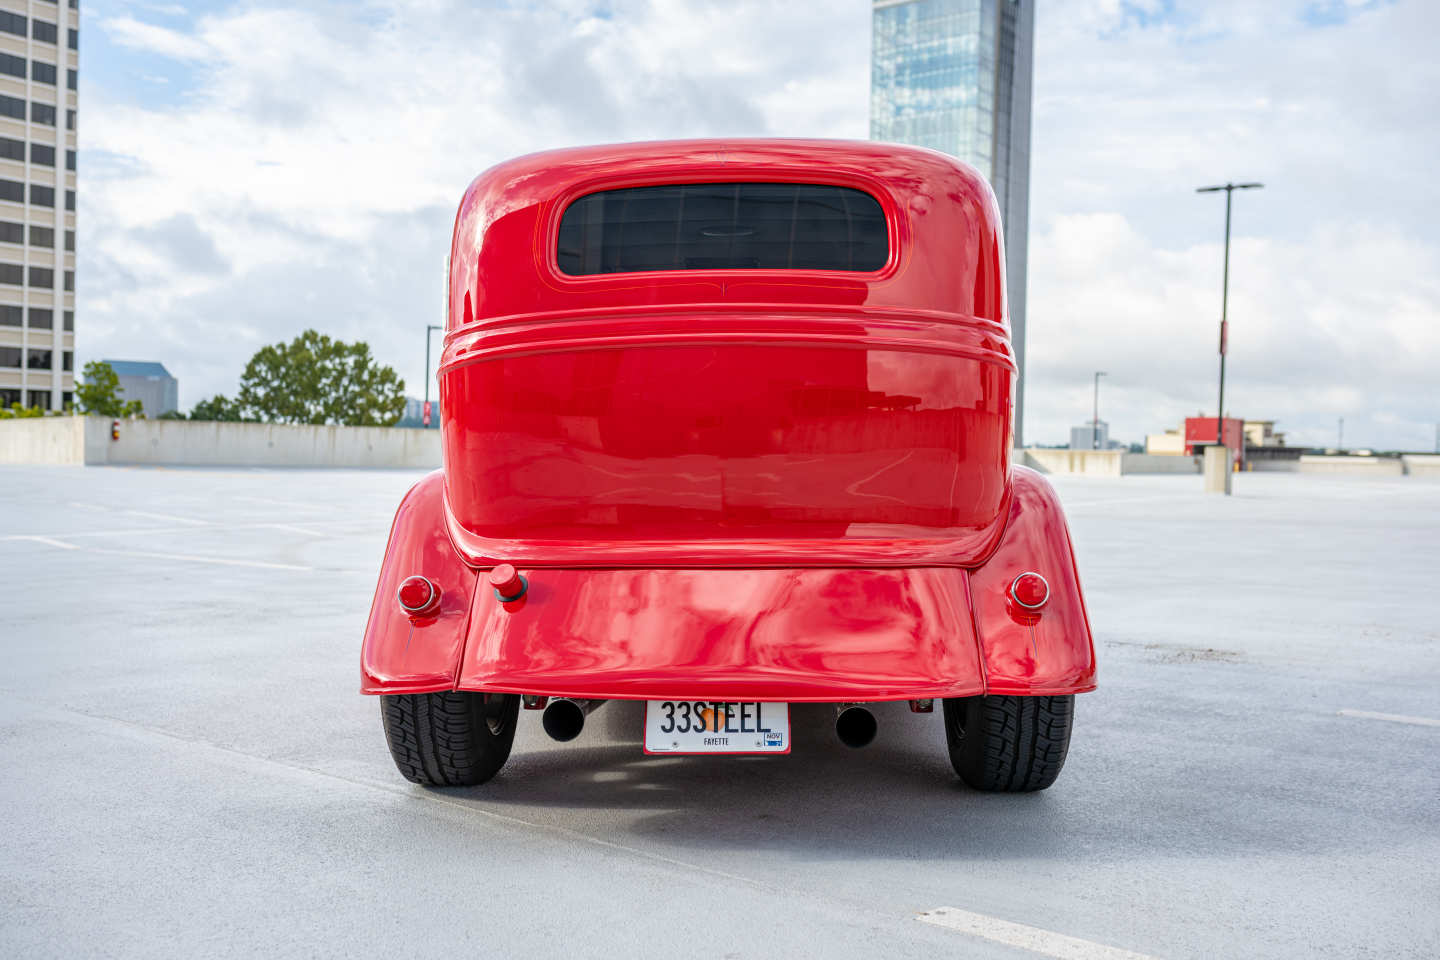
[708, 726]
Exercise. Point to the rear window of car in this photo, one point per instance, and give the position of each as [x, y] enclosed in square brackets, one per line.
[723, 226]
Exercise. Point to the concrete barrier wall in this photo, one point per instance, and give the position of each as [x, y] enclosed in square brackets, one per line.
[1422, 465]
[45, 440]
[1353, 466]
[186, 443]
[1095, 463]
[1158, 463]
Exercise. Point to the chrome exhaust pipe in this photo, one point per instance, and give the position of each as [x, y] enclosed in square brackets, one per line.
[563, 719]
[855, 725]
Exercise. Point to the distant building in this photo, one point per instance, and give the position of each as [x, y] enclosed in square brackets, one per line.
[1261, 433]
[414, 415]
[1200, 432]
[39, 74]
[148, 382]
[1091, 435]
[954, 76]
[1170, 443]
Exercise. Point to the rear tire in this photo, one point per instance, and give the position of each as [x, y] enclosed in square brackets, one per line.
[452, 738]
[1009, 744]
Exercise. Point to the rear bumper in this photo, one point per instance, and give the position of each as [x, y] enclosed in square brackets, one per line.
[796, 635]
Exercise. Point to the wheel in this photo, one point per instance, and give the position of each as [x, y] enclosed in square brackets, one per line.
[1009, 744]
[451, 738]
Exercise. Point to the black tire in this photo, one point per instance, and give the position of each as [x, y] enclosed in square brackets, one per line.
[451, 738]
[1009, 744]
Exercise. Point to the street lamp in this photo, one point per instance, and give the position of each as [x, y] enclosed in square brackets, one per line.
[1229, 189]
[425, 411]
[1095, 417]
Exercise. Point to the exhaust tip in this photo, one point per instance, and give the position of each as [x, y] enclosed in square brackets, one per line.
[563, 720]
[856, 727]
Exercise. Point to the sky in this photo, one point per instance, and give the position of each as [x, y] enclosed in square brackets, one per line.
[248, 170]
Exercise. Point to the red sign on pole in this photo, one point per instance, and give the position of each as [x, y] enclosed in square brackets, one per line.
[427, 413]
[1224, 337]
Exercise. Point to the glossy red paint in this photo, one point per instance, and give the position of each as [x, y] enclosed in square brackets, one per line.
[730, 484]
[1028, 653]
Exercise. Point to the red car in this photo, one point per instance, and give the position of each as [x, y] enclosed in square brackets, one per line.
[726, 427]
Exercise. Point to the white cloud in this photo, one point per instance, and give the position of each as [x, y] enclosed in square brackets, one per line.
[308, 177]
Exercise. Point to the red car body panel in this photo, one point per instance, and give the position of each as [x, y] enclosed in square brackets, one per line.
[730, 483]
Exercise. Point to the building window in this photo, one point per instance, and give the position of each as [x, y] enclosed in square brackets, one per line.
[11, 315]
[69, 119]
[42, 113]
[40, 398]
[41, 154]
[12, 149]
[67, 361]
[9, 356]
[70, 200]
[12, 107]
[69, 321]
[39, 360]
[43, 31]
[42, 72]
[12, 23]
[12, 273]
[69, 281]
[69, 159]
[69, 241]
[42, 318]
[12, 232]
[68, 398]
[74, 39]
[42, 196]
[9, 398]
[43, 277]
[42, 237]
[12, 191]
[72, 79]
[13, 65]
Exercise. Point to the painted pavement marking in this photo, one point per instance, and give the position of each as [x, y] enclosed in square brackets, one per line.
[1019, 935]
[1391, 717]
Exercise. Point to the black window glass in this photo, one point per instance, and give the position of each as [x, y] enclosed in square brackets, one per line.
[41, 154]
[69, 200]
[42, 72]
[12, 23]
[70, 281]
[42, 318]
[12, 149]
[70, 320]
[39, 360]
[42, 113]
[717, 226]
[10, 356]
[69, 119]
[11, 315]
[13, 65]
[12, 232]
[12, 273]
[69, 159]
[69, 361]
[74, 39]
[42, 196]
[12, 190]
[72, 79]
[42, 277]
[8, 397]
[70, 240]
[43, 31]
[40, 398]
[41, 236]
[12, 107]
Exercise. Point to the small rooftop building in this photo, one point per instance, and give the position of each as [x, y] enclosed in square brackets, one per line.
[148, 382]
[1091, 435]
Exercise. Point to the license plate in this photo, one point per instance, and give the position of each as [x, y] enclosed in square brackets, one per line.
[707, 726]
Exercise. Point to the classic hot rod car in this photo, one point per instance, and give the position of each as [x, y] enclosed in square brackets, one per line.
[727, 426]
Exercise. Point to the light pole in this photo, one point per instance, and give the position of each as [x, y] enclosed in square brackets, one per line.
[1229, 189]
[429, 329]
[1095, 417]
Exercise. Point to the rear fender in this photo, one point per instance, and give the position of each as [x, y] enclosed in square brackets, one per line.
[401, 655]
[1033, 654]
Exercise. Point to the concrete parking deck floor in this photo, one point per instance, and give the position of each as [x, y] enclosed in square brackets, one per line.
[186, 768]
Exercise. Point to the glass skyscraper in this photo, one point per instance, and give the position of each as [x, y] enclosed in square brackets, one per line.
[954, 75]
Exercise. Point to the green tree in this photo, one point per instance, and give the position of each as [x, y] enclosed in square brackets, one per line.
[314, 379]
[100, 393]
[218, 407]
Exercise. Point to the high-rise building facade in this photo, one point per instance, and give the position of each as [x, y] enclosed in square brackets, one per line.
[39, 71]
[954, 75]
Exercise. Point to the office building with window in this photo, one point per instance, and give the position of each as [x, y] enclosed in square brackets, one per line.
[39, 71]
[954, 75]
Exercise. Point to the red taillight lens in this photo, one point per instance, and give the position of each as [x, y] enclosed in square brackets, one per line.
[1030, 591]
[418, 596]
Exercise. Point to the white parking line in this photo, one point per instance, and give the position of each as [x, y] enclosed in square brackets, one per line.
[1392, 717]
[1019, 935]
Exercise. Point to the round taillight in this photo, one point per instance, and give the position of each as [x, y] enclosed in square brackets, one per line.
[508, 583]
[418, 596]
[1030, 591]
